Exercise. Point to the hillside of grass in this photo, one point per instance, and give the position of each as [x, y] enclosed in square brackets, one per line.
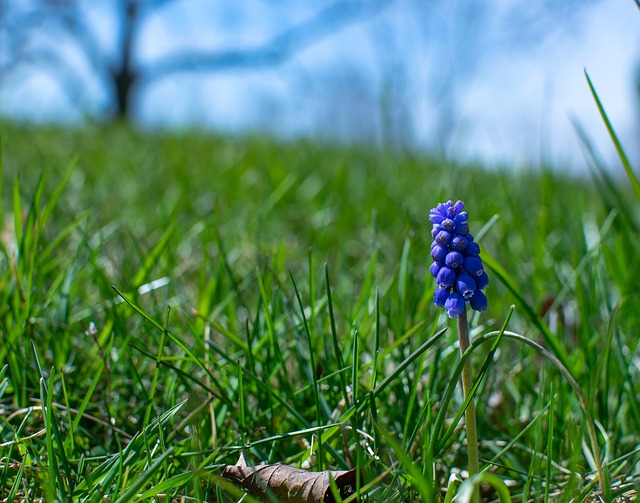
[170, 300]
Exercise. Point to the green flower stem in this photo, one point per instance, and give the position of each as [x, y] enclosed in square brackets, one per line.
[467, 385]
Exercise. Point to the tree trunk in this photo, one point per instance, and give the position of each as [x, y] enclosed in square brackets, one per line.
[124, 76]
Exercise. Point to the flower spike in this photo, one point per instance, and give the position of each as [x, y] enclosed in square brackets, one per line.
[457, 266]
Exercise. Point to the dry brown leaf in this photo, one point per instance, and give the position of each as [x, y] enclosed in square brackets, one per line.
[289, 484]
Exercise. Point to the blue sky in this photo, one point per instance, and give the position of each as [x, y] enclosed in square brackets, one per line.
[497, 87]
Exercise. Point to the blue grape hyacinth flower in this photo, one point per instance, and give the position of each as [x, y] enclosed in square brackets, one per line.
[457, 266]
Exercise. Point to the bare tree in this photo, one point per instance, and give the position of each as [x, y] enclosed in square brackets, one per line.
[402, 83]
[36, 34]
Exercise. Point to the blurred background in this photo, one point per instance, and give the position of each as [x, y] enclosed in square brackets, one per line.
[497, 81]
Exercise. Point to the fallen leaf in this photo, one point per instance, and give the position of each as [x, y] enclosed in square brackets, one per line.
[289, 484]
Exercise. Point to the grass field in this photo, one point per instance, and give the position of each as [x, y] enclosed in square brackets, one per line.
[169, 301]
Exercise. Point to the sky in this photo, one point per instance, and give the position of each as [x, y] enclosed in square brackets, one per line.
[499, 84]
[520, 103]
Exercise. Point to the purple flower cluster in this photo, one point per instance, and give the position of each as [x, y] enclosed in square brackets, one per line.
[457, 265]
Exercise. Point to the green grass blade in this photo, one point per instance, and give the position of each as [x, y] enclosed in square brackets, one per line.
[172, 483]
[355, 367]
[156, 370]
[17, 215]
[610, 192]
[550, 338]
[465, 494]
[442, 439]
[403, 275]
[151, 258]
[408, 361]
[52, 423]
[131, 493]
[612, 134]
[273, 341]
[602, 469]
[312, 368]
[376, 344]
[418, 480]
[18, 481]
[53, 482]
[549, 450]
[241, 403]
[175, 339]
[57, 193]
[334, 334]
[100, 365]
[107, 474]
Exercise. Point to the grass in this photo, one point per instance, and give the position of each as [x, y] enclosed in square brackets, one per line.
[169, 301]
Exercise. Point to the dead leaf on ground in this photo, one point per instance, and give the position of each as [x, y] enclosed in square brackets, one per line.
[289, 484]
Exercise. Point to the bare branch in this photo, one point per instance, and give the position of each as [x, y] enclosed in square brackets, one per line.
[86, 40]
[46, 21]
[154, 5]
[274, 52]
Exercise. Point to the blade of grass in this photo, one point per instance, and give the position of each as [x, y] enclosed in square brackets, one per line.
[607, 186]
[408, 361]
[603, 473]
[355, 367]
[403, 276]
[52, 423]
[17, 483]
[331, 428]
[52, 201]
[131, 493]
[334, 334]
[156, 369]
[547, 335]
[442, 439]
[175, 482]
[549, 451]
[465, 494]
[241, 403]
[67, 406]
[395, 373]
[419, 481]
[151, 258]
[17, 215]
[101, 363]
[109, 473]
[273, 342]
[54, 474]
[312, 370]
[187, 377]
[376, 343]
[614, 138]
[365, 290]
[175, 339]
